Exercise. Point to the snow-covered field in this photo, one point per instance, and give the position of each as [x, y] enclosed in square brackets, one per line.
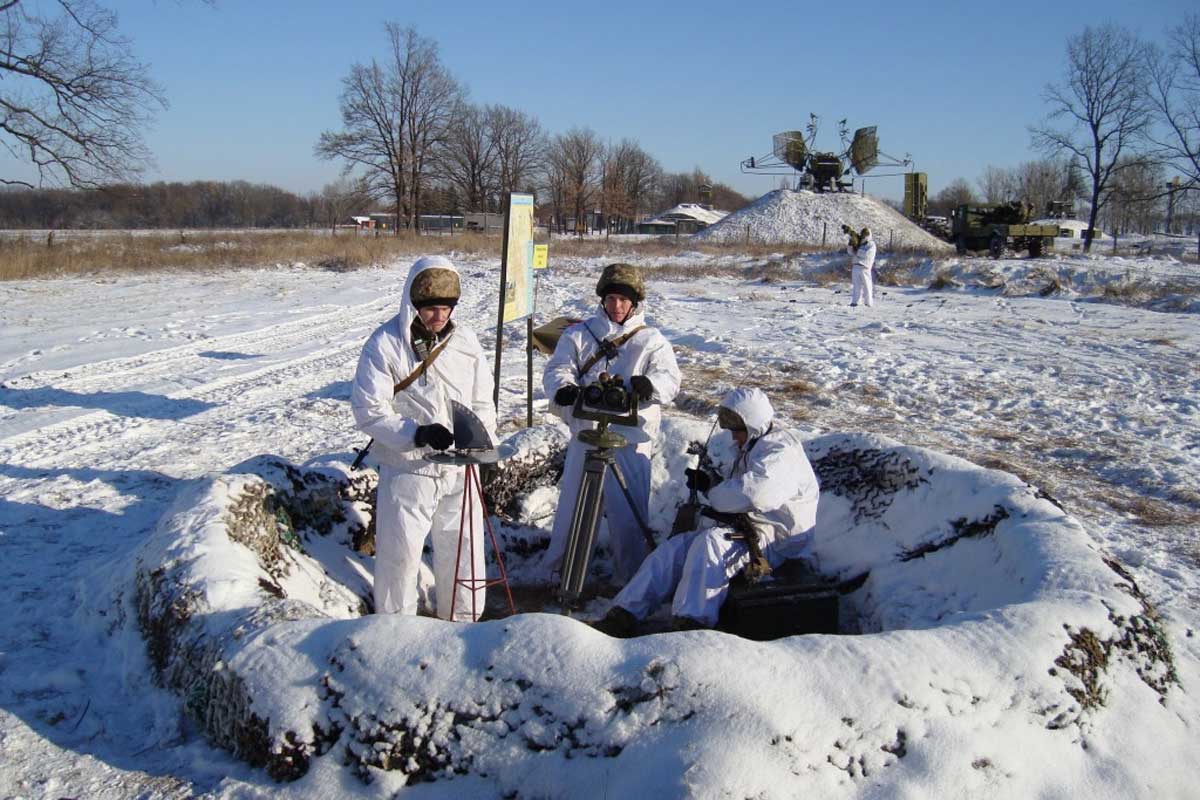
[120, 398]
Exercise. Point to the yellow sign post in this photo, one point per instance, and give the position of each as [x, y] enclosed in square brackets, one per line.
[516, 285]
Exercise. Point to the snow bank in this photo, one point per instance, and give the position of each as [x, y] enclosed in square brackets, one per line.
[986, 616]
[816, 218]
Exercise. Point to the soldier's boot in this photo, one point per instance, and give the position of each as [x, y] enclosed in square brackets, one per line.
[617, 623]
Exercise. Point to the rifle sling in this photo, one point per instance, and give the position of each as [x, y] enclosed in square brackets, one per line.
[599, 354]
[421, 368]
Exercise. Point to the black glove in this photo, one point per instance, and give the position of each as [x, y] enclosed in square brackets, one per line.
[642, 386]
[435, 435]
[566, 395]
[698, 479]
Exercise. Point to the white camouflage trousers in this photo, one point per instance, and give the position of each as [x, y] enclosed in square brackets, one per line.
[695, 567]
[410, 508]
[861, 286]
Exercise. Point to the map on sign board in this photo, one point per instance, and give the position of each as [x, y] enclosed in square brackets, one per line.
[517, 268]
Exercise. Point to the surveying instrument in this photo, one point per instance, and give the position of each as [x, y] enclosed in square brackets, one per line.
[472, 448]
[605, 402]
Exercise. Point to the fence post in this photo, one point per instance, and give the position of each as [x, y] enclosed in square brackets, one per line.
[824, 230]
[747, 234]
[891, 238]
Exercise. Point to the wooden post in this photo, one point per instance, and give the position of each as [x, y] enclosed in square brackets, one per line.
[824, 231]
[500, 312]
[529, 368]
[747, 234]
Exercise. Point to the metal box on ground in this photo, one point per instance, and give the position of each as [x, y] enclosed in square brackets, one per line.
[797, 601]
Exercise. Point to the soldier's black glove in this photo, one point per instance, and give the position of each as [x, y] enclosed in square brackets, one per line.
[698, 479]
[642, 386]
[566, 395]
[435, 436]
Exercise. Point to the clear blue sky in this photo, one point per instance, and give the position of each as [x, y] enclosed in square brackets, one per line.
[252, 83]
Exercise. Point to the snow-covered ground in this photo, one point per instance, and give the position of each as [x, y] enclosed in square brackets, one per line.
[120, 398]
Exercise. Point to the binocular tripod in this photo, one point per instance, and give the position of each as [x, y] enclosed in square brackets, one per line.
[585, 519]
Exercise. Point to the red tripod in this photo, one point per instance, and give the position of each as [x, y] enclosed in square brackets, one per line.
[473, 490]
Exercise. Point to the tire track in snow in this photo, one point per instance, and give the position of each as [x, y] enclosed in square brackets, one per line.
[171, 361]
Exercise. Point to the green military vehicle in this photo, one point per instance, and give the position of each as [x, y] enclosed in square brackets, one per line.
[996, 226]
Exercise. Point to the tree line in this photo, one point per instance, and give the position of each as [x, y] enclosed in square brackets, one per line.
[410, 134]
[1124, 115]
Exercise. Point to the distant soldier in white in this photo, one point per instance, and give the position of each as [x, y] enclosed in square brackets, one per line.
[410, 369]
[863, 253]
[618, 341]
[771, 486]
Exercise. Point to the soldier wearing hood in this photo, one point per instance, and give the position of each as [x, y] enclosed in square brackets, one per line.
[439, 361]
[770, 481]
[644, 359]
[863, 256]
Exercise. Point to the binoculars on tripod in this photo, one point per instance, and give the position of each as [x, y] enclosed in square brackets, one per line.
[608, 393]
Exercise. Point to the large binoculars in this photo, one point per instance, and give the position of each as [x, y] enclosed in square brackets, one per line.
[607, 400]
[607, 393]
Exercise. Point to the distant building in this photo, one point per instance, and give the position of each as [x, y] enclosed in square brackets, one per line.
[484, 221]
[683, 218]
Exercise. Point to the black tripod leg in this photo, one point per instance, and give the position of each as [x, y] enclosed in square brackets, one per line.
[582, 535]
[646, 532]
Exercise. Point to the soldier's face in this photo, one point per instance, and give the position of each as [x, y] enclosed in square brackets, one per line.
[617, 306]
[740, 437]
[434, 318]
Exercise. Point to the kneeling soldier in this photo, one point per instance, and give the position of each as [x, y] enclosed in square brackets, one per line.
[770, 494]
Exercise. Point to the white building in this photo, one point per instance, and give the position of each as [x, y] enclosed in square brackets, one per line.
[684, 218]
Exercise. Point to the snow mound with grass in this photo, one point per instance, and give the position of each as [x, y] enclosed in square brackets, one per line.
[984, 617]
[815, 218]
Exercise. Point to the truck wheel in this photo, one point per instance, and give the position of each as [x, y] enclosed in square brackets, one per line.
[996, 246]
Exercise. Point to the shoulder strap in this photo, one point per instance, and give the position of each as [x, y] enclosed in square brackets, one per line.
[422, 367]
[607, 346]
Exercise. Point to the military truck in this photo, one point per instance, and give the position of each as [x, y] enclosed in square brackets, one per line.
[996, 226]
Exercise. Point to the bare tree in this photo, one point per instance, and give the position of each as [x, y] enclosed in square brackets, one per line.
[72, 98]
[469, 159]
[520, 148]
[639, 174]
[575, 166]
[1136, 200]
[342, 198]
[997, 184]
[1104, 103]
[371, 136]
[1175, 94]
[429, 95]
[394, 117]
[1040, 182]
[957, 193]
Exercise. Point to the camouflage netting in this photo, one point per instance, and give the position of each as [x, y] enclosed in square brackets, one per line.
[280, 668]
[286, 535]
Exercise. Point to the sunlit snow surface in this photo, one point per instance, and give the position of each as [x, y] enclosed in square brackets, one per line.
[122, 397]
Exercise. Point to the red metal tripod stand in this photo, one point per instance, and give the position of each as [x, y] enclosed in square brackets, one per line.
[473, 491]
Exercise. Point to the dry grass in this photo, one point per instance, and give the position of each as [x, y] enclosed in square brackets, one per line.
[75, 252]
[1151, 511]
[900, 269]
[22, 257]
